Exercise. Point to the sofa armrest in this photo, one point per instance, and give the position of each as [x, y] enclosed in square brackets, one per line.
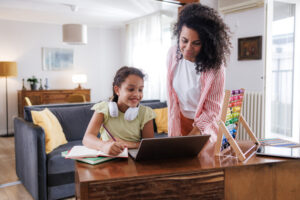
[31, 157]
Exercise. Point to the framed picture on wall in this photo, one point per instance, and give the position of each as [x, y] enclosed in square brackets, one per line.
[57, 58]
[250, 48]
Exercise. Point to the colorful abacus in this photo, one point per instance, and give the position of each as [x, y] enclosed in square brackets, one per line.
[228, 125]
[233, 113]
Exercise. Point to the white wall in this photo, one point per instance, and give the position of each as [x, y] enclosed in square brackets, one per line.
[210, 3]
[245, 74]
[22, 42]
[245, 23]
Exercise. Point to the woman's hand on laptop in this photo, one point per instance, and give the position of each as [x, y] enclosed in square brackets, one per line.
[195, 131]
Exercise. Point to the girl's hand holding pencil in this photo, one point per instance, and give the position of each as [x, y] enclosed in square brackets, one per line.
[113, 148]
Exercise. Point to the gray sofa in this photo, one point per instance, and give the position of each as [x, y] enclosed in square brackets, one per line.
[49, 176]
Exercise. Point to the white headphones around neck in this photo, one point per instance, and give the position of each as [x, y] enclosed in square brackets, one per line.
[130, 114]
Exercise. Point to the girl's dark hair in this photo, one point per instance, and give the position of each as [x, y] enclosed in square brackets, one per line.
[121, 75]
[213, 34]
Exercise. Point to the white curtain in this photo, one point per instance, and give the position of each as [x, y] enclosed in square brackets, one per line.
[147, 42]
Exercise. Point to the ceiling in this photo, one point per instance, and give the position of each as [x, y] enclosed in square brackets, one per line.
[102, 13]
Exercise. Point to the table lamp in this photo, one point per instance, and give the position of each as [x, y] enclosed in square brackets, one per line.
[79, 78]
[7, 69]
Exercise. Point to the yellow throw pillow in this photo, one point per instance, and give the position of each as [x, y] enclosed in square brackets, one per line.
[54, 134]
[161, 120]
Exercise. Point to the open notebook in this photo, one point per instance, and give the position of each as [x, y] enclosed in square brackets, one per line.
[84, 152]
[169, 147]
[92, 161]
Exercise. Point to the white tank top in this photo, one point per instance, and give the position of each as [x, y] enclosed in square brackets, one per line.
[186, 83]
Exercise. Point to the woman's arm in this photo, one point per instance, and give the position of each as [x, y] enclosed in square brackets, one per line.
[91, 140]
[211, 109]
[195, 131]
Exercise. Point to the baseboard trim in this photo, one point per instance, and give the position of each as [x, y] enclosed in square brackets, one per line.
[7, 135]
[10, 184]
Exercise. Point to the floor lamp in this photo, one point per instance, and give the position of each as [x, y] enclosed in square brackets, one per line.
[7, 69]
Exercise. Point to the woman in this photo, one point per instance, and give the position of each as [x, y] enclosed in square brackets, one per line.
[196, 73]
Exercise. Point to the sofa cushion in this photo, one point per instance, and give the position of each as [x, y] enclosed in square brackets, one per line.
[150, 101]
[74, 120]
[161, 119]
[54, 135]
[28, 109]
[61, 170]
[154, 104]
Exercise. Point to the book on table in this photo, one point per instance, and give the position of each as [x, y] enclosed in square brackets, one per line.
[92, 161]
[84, 152]
[278, 142]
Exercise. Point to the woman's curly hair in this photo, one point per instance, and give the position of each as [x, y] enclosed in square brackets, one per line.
[213, 34]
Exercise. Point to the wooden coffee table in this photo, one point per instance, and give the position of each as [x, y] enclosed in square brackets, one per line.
[190, 178]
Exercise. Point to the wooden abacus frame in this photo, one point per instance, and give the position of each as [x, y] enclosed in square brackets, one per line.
[223, 130]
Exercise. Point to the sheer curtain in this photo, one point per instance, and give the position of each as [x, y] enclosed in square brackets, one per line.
[147, 42]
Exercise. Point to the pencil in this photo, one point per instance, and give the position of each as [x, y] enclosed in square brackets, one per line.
[112, 137]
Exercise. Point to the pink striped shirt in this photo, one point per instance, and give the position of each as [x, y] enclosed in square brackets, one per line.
[210, 104]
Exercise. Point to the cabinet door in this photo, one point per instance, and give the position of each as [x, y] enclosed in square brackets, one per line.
[55, 97]
[199, 185]
[35, 98]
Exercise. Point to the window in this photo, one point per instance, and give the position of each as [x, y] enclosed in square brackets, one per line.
[148, 40]
[282, 71]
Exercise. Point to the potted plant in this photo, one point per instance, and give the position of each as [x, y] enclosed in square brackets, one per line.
[33, 82]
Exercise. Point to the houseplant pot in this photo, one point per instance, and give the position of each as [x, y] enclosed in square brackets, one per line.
[33, 82]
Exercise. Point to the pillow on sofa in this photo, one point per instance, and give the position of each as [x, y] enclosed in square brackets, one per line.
[54, 135]
[161, 119]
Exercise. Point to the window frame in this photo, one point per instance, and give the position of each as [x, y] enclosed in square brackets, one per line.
[296, 73]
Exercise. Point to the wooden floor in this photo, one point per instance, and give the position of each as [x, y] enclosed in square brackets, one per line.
[8, 173]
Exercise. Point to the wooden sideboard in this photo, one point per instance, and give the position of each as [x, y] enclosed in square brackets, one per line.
[38, 97]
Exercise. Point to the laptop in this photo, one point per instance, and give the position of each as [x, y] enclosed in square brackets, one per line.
[284, 152]
[169, 147]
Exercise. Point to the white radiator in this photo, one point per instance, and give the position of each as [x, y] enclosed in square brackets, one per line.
[253, 112]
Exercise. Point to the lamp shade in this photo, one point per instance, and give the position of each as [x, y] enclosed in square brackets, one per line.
[79, 78]
[8, 69]
[75, 34]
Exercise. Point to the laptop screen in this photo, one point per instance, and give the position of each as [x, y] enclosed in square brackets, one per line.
[169, 147]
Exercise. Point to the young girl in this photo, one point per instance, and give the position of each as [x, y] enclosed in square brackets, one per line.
[124, 118]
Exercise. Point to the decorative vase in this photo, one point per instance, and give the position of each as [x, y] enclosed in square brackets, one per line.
[41, 85]
[23, 85]
[46, 84]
